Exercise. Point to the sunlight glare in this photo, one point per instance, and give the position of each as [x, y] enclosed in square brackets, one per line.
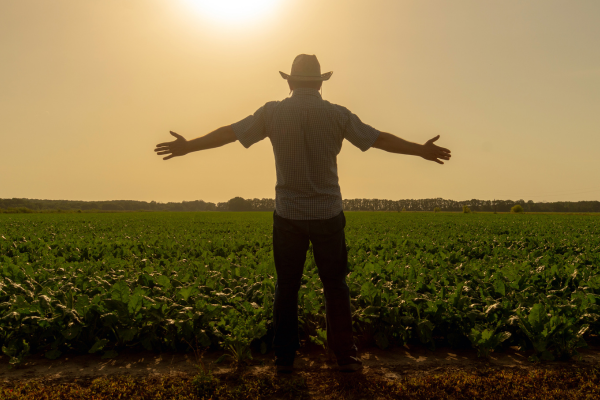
[233, 10]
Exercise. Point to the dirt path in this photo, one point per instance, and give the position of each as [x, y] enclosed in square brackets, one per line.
[390, 364]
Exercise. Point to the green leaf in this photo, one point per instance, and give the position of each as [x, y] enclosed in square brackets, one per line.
[163, 281]
[186, 292]
[424, 331]
[82, 303]
[135, 304]
[371, 311]
[120, 292]
[99, 345]
[53, 354]
[487, 334]
[116, 305]
[220, 359]
[381, 340]
[502, 336]
[71, 331]
[147, 342]
[204, 339]
[537, 317]
[45, 302]
[128, 334]
[499, 287]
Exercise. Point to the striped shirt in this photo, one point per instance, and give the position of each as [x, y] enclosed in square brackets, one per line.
[306, 133]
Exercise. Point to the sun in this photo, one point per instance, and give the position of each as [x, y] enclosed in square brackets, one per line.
[233, 10]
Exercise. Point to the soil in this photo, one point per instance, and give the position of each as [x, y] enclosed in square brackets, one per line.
[389, 364]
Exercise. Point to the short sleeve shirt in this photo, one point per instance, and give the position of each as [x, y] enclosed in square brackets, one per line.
[307, 134]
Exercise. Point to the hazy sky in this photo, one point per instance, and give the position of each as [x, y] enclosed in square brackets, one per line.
[88, 87]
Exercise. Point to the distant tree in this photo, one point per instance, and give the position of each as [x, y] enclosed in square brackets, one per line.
[466, 210]
[475, 205]
[437, 209]
[516, 209]
[239, 204]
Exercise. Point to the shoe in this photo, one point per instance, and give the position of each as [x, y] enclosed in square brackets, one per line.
[285, 369]
[349, 364]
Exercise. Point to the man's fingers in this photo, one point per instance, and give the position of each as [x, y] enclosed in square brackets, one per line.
[163, 152]
[438, 161]
[168, 157]
[165, 143]
[433, 139]
[438, 148]
[177, 135]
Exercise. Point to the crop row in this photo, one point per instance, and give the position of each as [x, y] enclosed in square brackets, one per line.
[100, 283]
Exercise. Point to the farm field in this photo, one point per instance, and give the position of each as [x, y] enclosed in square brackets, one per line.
[103, 283]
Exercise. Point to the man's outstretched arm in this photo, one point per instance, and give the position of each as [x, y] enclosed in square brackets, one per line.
[429, 151]
[181, 146]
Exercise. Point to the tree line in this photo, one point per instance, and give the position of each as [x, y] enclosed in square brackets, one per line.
[241, 204]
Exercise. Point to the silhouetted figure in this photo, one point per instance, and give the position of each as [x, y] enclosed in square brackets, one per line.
[307, 133]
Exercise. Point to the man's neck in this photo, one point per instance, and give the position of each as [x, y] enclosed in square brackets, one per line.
[306, 91]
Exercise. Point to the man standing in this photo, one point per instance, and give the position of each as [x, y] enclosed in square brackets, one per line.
[307, 134]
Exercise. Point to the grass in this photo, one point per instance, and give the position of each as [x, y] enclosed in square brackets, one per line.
[564, 383]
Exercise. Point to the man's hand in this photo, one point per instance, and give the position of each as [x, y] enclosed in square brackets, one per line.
[181, 146]
[432, 152]
[429, 151]
[176, 148]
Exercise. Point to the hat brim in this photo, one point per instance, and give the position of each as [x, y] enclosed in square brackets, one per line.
[323, 77]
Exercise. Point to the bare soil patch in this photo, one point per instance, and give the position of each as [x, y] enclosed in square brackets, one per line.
[397, 363]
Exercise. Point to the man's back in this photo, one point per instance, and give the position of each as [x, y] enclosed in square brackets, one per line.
[306, 133]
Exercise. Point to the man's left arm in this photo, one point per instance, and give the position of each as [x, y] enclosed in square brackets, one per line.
[429, 150]
[180, 146]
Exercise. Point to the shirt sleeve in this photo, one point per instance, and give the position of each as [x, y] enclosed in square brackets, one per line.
[360, 134]
[251, 129]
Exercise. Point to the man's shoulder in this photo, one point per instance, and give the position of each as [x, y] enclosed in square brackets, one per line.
[290, 103]
[269, 107]
[336, 107]
[340, 113]
[272, 104]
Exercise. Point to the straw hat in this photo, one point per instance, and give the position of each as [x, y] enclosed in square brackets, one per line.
[306, 68]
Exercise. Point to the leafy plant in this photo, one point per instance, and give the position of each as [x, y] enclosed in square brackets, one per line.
[552, 336]
[205, 385]
[320, 338]
[516, 209]
[101, 283]
[243, 331]
[486, 339]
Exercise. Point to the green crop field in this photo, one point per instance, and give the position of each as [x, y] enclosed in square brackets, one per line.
[100, 283]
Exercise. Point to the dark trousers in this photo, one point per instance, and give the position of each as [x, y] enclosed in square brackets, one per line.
[290, 243]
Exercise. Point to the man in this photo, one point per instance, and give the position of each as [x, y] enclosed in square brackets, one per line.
[307, 134]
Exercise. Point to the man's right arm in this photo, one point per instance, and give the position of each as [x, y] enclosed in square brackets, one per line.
[429, 151]
[181, 146]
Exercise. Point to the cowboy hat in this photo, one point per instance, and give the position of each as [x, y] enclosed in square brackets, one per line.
[306, 68]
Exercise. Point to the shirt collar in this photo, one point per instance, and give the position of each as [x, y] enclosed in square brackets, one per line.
[306, 92]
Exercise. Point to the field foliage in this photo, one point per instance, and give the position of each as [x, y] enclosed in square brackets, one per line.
[100, 283]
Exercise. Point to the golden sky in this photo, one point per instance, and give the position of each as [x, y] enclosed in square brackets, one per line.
[87, 88]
